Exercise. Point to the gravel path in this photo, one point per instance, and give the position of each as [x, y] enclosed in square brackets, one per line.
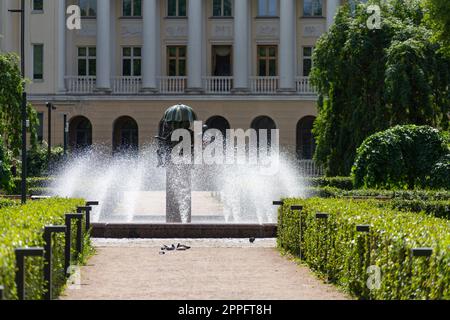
[211, 269]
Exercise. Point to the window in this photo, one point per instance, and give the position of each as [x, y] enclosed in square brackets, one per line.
[88, 8]
[132, 8]
[221, 61]
[176, 61]
[306, 144]
[222, 8]
[307, 60]
[312, 8]
[131, 61]
[267, 8]
[38, 61]
[38, 5]
[267, 61]
[176, 8]
[87, 61]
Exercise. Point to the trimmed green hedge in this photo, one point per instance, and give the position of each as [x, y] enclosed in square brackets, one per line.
[334, 248]
[6, 203]
[22, 226]
[344, 183]
[436, 208]
[330, 192]
[35, 185]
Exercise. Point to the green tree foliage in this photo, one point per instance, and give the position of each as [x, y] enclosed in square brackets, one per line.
[5, 165]
[403, 157]
[11, 88]
[38, 162]
[371, 79]
[437, 16]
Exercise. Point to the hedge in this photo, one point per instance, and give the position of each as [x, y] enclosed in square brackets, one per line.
[6, 203]
[436, 208]
[331, 192]
[34, 185]
[22, 226]
[345, 183]
[334, 248]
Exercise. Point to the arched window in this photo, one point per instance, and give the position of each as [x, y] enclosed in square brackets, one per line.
[125, 135]
[219, 123]
[305, 139]
[264, 122]
[80, 133]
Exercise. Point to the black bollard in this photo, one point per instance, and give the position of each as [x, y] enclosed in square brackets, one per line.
[2, 289]
[21, 253]
[48, 232]
[79, 245]
[87, 210]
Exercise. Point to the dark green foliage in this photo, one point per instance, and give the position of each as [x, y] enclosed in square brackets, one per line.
[370, 80]
[438, 18]
[35, 186]
[11, 88]
[6, 203]
[22, 226]
[439, 209]
[334, 248]
[403, 157]
[38, 162]
[5, 168]
[345, 183]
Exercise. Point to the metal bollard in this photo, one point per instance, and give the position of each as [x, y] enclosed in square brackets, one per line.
[21, 253]
[300, 209]
[87, 210]
[48, 232]
[422, 252]
[79, 246]
[2, 289]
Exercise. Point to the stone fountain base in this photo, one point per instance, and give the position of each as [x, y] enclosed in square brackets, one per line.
[179, 230]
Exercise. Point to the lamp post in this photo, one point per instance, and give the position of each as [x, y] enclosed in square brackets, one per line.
[50, 107]
[66, 132]
[24, 102]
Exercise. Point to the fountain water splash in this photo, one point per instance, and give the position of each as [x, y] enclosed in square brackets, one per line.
[130, 187]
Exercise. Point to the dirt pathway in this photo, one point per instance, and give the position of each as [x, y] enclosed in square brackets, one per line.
[211, 269]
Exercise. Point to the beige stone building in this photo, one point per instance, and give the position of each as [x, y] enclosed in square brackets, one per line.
[238, 63]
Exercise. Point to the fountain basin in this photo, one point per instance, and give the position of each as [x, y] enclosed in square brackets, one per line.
[181, 230]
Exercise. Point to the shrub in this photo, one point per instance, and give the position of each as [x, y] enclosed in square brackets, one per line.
[345, 183]
[403, 157]
[436, 208]
[22, 226]
[34, 185]
[334, 248]
[6, 203]
[38, 164]
[5, 168]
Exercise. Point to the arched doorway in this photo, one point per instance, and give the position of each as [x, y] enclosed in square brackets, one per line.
[264, 122]
[80, 133]
[219, 123]
[125, 135]
[306, 144]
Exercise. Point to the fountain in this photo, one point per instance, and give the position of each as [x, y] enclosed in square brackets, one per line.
[145, 194]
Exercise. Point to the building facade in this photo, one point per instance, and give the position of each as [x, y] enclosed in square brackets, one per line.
[238, 63]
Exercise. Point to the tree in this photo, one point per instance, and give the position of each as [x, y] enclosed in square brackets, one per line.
[371, 79]
[11, 88]
[5, 164]
[437, 17]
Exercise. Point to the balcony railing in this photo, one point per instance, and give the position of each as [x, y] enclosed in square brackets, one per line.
[303, 86]
[309, 168]
[218, 85]
[168, 85]
[126, 85]
[80, 84]
[264, 85]
[178, 85]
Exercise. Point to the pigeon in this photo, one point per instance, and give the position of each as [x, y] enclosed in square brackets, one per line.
[171, 248]
[252, 239]
[182, 247]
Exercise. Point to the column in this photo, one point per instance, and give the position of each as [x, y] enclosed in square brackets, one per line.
[61, 45]
[103, 45]
[240, 47]
[194, 56]
[287, 45]
[149, 48]
[332, 8]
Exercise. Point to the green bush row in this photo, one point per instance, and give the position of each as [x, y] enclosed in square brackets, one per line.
[436, 208]
[6, 203]
[33, 184]
[331, 192]
[22, 226]
[344, 183]
[334, 248]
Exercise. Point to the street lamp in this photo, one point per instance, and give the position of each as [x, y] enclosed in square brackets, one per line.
[24, 102]
[50, 107]
[66, 133]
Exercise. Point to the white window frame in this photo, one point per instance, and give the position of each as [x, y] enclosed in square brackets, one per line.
[314, 4]
[222, 10]
[266, 11]
[307, 58]
[133, 15]
[87, 57]
[132, 58]
[43, 55]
